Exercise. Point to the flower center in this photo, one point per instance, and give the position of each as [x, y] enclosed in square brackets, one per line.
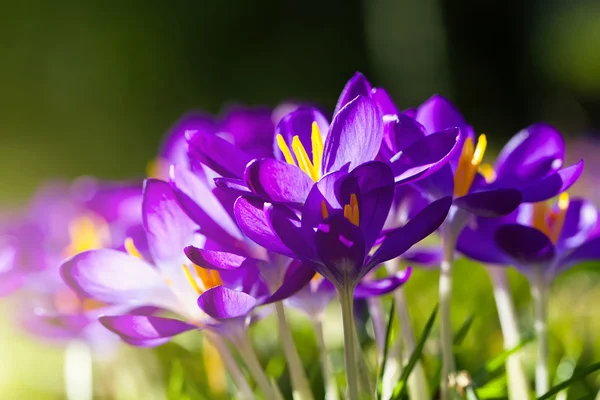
[549, 221]
[311, 168]
[351, 211]
[86, 233]
[468, 164]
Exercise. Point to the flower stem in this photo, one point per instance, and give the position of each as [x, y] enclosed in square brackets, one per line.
[417, 381]
[540, 303]
[256, 370]
[517, 381]
[78, 374]
[350, 351]
[448, 243]
[331, 390]
[300, 385]
[376, 311]
[244, 390]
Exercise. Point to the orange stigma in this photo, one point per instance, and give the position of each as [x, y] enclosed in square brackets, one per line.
[548, 221]
[351, 211]
[468, 165]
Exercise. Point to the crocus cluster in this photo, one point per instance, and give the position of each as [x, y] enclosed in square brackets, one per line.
[256, 210]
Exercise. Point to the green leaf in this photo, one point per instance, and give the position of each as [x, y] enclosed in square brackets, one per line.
[462, 332]
[563, 385]
[401, 386]
[386, 348]
[492, 368]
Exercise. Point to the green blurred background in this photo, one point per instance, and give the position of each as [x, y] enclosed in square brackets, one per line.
[89, 88]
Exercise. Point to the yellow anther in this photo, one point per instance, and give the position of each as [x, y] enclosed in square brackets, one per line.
[131, 249]
[324, 212]
[191, 279]
[487, 170]
[87, 233]
[351, 212]
[317, 147]
[285, 149]
[563, 201]
[303, 161]
[209, 278]
[468, 164]
[558, 218]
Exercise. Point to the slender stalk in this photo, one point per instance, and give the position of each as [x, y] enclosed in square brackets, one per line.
[331, 390]
[300, 385]
[417, 382]
[517, 380]
[256, 370]
[376, 311]
[346, 296]
[244, 390]
[78, 374]
[448, 243]
[540, 303]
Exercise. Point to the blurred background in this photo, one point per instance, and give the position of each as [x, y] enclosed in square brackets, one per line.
[89, 88]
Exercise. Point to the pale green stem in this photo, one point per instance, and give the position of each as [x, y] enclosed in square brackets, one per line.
[346, 296]
[445, 295]
[418, 388]
[518, 387]
[300, 385]
[244, 390]
[331, 389]
[256, 370]
[78, 374]
[376, 312]
[540, 303]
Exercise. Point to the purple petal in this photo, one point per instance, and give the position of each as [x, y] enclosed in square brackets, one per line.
[278, 181]
[354, 136]
[234, 185]
[223, 303]
[218, 154]
[415, 230]
[532, 153]
[250, 128]
[218, 260]
[438, 184]
[356, 86]
[588, 251]
[294, 281]
[299, 123]
[524, 244]
[384, 101]
[112, 276]
[477, 241]
[379, 287]
[174, 148]
[341, 248]
[490, 203]
[438, 114]
[325, 190]
[146, 343]
[168, 227]
[253, 221]
[580, 223]
[400, 131]
[296, 237]
[423, 256]
[552, 185]
[425, 156]
[144, 327]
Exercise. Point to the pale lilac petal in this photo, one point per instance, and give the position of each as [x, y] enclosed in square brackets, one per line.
[379, 287]
[581, 220]
[218, 260]
[218, 154]
[588, 251]
[144, 327]
[278, 181]
[223, 303]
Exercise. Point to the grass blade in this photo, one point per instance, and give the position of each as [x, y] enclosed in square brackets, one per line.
[401, 386]
[386, 348]
[563, 385]
[464, 329]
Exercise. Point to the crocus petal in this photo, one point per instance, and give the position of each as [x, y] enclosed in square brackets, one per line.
[218, 154]
[580, 222]
[218, 260]
[424, 256]
[400, 131]
[299, 123]
[144, 327]
[356, 86]
[325, 190]
[278, 181]
[415, 230]
[439, 184]
[354, 136]
[146, 343]
[490, 203]
[201, 205]
[293, 282]
[168, 227]
[250, 128]
[112, 276]
[524, 244]
[589, 251]
[553, 184]
[379, 287]
[174, 148]
[425, 156]
[253, 221]
[222, 303]
[296, 237]
[532, 153]
[234, 185]
[384, 101]
[341, 248]
[478, 243]
[438, 114]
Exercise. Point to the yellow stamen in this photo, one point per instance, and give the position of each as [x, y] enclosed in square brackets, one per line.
[215, 370]
[487, 170]
[87, 233]
[303, 161]
[351, 211]
[468, 164]
[209, 278]
[324, 212]
[317, 147]
[191, 279]
[285, 149]
[558, 218]
[131, 249]
[548, 221]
